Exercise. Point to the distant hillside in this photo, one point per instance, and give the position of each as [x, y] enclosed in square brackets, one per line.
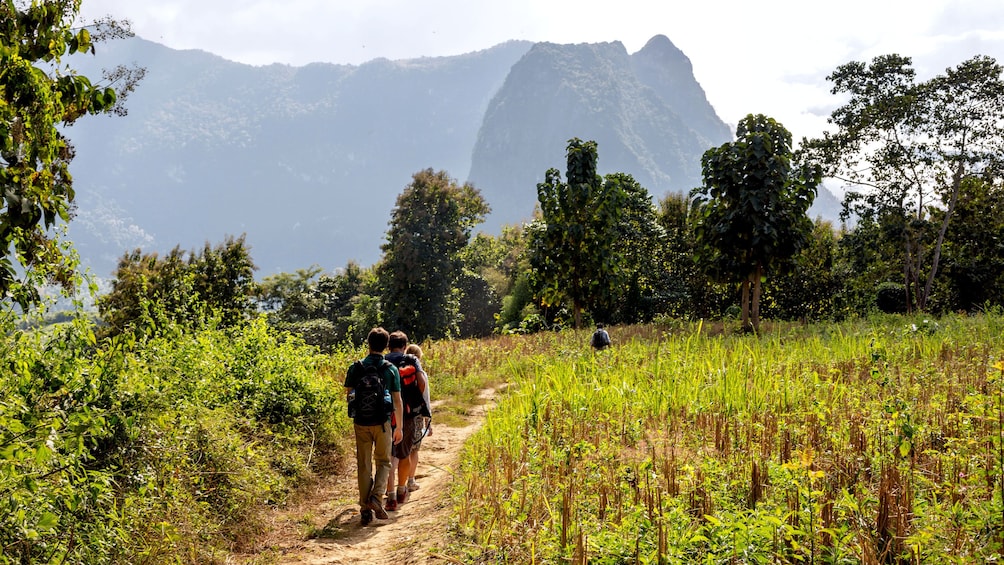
[308, 161]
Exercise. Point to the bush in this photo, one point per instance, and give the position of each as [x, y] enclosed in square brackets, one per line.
[161, 450]
[890, 298]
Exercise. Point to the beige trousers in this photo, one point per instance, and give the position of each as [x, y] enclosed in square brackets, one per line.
[373, 445]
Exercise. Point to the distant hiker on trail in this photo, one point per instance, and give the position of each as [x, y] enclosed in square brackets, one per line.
[413, 385]
[424, 423]
[373, 388]
[600, 339]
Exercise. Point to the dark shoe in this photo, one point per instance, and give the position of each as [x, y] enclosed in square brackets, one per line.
[365, 517]
[377, 508]
[391, 505]
[402, 495]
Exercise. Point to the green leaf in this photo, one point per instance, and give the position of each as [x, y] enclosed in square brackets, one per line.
[904, 448]
[47, 522]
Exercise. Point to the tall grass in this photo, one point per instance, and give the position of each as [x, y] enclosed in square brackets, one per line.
[875, 441]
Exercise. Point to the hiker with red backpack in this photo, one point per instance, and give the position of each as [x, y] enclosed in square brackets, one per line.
[373, 390]
[413, 384]
[424, 427]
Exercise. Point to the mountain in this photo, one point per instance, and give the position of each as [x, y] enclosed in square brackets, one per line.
[308, 161]
[646, 112]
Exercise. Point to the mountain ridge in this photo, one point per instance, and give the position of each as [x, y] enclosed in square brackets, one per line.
[308, 161]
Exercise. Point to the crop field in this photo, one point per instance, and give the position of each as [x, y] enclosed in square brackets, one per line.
[874, 441]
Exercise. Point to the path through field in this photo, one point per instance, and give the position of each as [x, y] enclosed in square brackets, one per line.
[415, 534]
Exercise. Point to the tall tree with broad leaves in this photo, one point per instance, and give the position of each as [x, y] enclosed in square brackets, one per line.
[640, 243]
[39, 94]
[573, 246]
[422, 263]
[905, 146]
[750, 214]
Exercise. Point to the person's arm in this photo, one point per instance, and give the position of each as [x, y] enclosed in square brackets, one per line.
[349, 383]
[398, 415]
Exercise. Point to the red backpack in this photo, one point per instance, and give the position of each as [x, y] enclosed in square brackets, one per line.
[411, 394]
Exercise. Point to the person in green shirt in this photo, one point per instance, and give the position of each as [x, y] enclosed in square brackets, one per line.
[372, 424]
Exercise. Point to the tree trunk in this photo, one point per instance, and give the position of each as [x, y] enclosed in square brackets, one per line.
[746, 292]
[577, 314]
[952, 201]
[756, 298]
[745, 299]
[908, 273]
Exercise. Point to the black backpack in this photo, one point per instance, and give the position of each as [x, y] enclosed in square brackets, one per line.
[372, 404]
[600, 339]
[411, 394]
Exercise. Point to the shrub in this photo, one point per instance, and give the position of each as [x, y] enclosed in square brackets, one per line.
[890, 298]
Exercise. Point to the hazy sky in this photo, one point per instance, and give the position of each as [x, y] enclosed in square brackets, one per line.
[767, 56]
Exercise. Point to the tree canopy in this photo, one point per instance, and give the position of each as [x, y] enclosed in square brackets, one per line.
[905, 146]
[572, 250]
[750, 213]
[429, 228]
[182, 288]
[38, 94]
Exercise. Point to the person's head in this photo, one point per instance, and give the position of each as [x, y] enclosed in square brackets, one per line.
[414, 349]
[377, 340]
[398, 340]
[599, 326]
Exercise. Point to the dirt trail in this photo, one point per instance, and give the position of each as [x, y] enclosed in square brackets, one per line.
[415, 534]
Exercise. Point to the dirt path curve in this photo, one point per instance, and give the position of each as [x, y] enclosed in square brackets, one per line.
[415, 534]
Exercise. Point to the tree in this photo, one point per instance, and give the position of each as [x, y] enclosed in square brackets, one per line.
[429, 227]
[38, 96]
[502, 262]
[224, 279]
[573, 246]
[150, 292]
[288, 297]
[640, 243]
[974, 247]
[908, 146]
[323, 309]
[751, 211]
[807, 291]
[687, 290]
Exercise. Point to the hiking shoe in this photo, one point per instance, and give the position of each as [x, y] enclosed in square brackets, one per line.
[365, 517]
[377, 508]
[391, 504]
[412, 485]
[402, 495]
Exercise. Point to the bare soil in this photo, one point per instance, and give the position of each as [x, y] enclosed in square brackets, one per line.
[323, 526]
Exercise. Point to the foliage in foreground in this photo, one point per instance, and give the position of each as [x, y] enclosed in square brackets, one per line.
[856, 443]
[156, 451]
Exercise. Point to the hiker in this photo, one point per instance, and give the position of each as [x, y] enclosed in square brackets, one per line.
[373, 389]
[424, 424]
[600, 339]
[413, 385]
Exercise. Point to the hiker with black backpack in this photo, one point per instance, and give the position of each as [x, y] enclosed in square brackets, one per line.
[373, 389]
[413, 384]
[600, 339]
